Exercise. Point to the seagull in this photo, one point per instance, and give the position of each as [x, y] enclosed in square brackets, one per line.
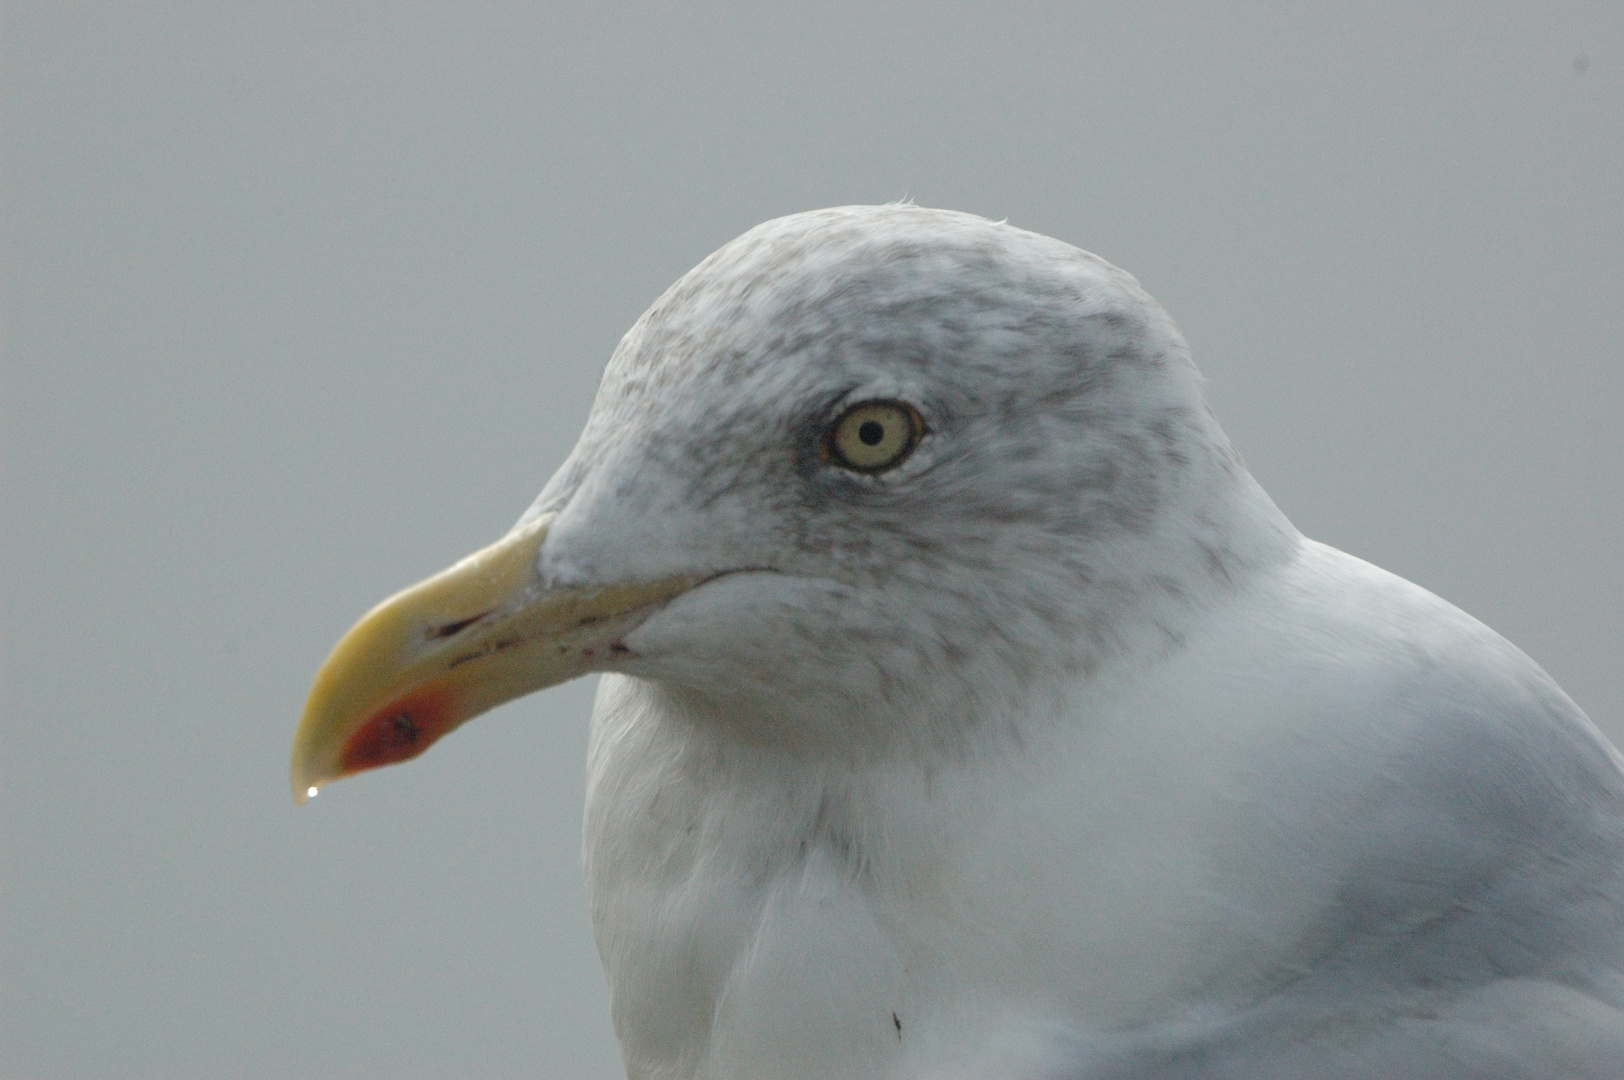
[968, 710]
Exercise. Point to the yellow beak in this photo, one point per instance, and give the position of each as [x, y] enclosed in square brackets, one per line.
[445, 650]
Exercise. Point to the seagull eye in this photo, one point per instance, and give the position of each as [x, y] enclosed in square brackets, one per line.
[874, 436]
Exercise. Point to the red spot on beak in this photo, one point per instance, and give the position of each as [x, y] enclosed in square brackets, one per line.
[398, 731]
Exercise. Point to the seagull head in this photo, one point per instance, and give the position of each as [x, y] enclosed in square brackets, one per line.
[855, 478]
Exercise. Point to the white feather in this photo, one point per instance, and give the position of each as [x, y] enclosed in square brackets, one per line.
[1056, 751]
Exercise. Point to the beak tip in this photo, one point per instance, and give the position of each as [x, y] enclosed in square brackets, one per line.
[304, 777]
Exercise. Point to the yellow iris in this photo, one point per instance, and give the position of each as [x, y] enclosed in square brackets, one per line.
[875, 435]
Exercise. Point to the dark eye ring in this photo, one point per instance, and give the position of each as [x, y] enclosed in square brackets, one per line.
[873, 436]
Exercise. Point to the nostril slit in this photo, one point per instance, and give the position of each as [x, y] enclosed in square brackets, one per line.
[451, 629]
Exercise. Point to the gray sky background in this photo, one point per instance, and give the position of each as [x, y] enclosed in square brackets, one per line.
[304, 301]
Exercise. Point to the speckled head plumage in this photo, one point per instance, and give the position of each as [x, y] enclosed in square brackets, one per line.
[1071, 472]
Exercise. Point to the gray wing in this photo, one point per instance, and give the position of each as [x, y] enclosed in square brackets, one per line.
[1509, 1029]
[1477, 929]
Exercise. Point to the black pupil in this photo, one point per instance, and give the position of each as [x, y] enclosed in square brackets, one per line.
[871, 432]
